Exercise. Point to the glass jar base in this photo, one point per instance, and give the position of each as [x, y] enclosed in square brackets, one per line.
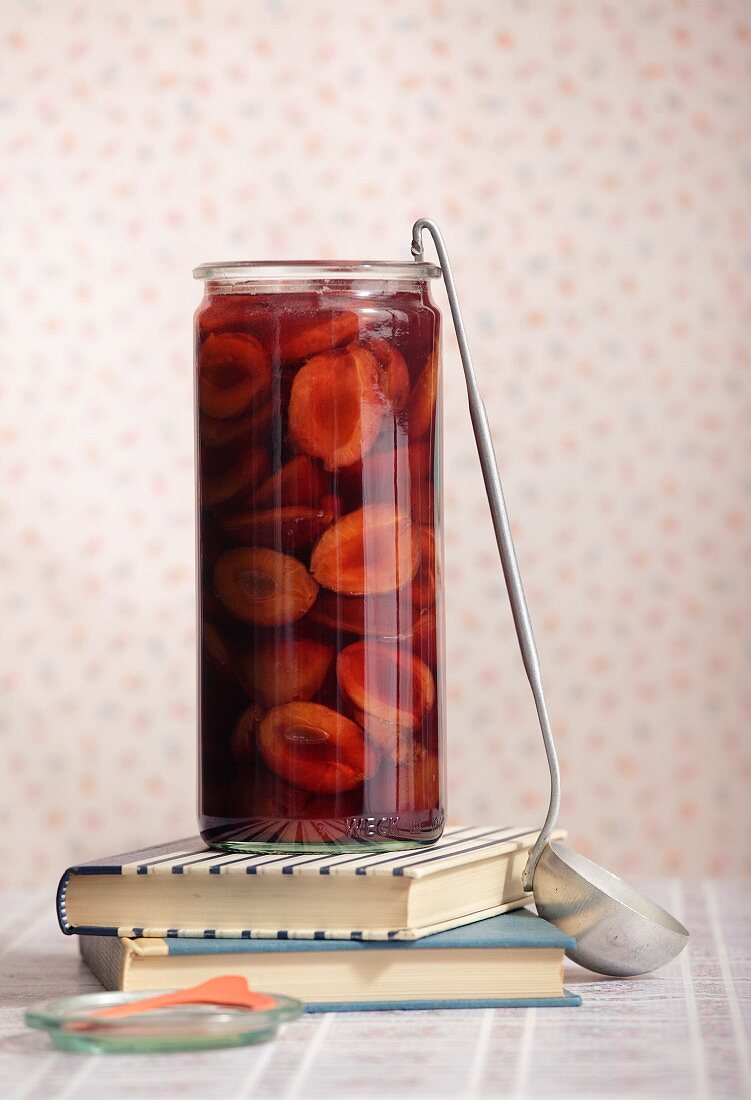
[322, 847]
[364, 834]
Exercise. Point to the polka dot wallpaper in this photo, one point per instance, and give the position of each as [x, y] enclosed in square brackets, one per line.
[590, 165]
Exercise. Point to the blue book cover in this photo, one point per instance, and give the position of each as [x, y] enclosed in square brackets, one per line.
[512, 930]
[515, 932]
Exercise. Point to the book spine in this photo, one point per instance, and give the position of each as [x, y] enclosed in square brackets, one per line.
[61, 904]
[108, 960]
[61, 901]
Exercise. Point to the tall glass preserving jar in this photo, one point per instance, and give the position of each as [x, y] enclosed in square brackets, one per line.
[318, 414]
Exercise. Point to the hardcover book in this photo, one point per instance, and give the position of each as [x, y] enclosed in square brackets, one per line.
[510, 960]
[185, 889]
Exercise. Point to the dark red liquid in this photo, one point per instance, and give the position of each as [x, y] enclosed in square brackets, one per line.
[320, 609]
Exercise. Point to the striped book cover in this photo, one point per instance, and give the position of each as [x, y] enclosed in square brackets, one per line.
[469, 874]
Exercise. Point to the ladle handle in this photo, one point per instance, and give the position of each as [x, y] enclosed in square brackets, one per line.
[492, 478]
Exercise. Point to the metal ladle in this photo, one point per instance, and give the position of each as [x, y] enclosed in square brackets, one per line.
[618, 931]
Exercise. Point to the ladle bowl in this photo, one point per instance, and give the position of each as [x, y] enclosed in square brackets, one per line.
[618, 931]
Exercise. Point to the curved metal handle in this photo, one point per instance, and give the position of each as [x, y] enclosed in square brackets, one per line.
[492, 478]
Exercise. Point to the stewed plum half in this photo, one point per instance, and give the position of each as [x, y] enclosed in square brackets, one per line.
[292, 527]
[392, 684]
[367, 552]
[298, 341]
[336, 406]
[284, 669]
[233, 373]
[262, 586]
[316, 748]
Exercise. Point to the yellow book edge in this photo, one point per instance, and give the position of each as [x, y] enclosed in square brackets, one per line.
[443, 974]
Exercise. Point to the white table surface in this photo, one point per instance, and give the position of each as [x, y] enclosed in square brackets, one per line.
[683, 1032]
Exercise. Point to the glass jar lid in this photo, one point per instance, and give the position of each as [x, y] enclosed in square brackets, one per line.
[318, 270]
[72, 1024]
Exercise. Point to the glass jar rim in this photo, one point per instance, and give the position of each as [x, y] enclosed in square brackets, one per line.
[245, 271]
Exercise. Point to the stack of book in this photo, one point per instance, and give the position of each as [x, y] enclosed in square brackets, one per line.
[437, 926]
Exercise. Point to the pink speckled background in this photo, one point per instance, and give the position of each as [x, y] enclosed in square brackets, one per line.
[590, 164]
